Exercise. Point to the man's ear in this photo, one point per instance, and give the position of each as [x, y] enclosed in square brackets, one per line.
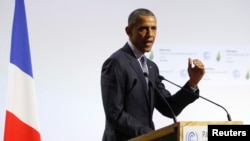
[128, 31]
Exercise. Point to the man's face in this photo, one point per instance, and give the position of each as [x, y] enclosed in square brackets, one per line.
[143, 34]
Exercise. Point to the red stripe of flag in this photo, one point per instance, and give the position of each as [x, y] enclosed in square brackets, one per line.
[16, 130]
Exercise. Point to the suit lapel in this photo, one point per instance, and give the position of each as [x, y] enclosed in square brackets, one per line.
[137, 68]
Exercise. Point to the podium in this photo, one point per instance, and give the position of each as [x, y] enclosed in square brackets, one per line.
[181, 131]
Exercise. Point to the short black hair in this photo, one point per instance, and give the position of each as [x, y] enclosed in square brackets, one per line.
[137, 13]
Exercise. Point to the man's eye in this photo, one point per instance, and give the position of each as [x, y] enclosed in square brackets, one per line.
[142, 28]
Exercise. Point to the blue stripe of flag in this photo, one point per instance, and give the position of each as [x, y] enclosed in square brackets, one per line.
[20, 51]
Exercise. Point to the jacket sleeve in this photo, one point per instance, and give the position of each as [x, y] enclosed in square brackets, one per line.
[177, 101]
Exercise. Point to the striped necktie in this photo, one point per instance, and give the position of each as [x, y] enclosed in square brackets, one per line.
[144, 66]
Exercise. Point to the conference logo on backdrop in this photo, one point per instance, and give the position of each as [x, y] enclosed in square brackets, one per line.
[191, 136]
[218, 57]
[206, 55]
[248, 75]
[151, 55]
[236, 74]
[183, 73]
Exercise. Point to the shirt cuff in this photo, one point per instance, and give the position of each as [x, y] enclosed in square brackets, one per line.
[194, 89]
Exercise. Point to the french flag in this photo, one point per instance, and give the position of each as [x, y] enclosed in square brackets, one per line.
[21, 121]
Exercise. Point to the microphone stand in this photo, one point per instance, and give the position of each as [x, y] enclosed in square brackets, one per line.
[159, 93]
[228, 115]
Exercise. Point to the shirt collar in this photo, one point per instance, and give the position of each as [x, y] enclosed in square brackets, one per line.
[138, 54]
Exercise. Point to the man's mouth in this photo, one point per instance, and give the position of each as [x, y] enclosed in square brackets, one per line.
[148, 43]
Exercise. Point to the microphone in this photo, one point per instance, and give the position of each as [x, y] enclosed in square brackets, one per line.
[228, 115]
[159, 93]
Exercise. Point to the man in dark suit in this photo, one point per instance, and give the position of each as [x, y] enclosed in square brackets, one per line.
[128, 97]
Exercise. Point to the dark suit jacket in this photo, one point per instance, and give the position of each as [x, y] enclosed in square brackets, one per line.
[127, 103]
